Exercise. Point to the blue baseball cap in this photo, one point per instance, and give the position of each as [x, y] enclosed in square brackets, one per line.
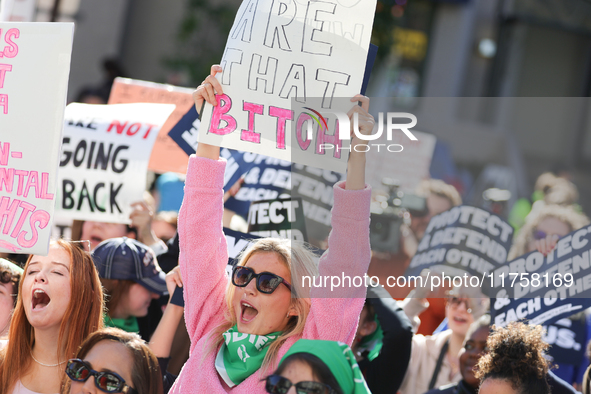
[127, 259]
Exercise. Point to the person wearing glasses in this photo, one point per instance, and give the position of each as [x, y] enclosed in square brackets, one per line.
[239, 332]
[10, 275]
[317, 367]
[60, 302]
[434, 359]
[543, 227]
[113, 361]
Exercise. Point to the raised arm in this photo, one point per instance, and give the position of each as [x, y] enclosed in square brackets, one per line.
[334, 314]
[384, 374]
[203, 252]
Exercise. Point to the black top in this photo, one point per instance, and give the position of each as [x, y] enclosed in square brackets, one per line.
[385, 373]
[557, 386]
[456, 388]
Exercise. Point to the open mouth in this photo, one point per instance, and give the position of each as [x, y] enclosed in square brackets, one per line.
[248, 312]
[460, 320]
[40, 299]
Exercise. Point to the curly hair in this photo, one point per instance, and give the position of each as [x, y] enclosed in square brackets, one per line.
[516, 355]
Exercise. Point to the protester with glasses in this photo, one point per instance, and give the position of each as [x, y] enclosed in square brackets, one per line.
[10, 275]
[317, 367]
[474, 347]
[238, 332]
[60, 302]
[543, 227]
[434, 359]
[113, 361]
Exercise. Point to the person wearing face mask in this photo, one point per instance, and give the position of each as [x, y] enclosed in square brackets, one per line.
[131, 278]
[239, 332]
[10, 276]
[113, 361]
[60, 302]
[314, 367]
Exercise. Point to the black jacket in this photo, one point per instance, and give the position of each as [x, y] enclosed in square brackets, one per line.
[456, 388]
[385, 373]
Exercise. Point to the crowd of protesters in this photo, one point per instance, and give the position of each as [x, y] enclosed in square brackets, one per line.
[121, 308]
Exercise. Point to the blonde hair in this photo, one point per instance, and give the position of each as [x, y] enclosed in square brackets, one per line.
[573, 219]
[557, 190]
[441, 189]
[300, 260]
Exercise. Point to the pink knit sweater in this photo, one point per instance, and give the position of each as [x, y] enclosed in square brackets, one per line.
[204, 256]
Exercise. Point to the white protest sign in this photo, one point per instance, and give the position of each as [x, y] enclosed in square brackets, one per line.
[105, 154]
[409, 166]
[32, 101]
[284, 62]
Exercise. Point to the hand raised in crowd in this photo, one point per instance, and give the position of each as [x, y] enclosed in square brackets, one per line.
[173, 279]
[208, 89]
[234, 189]
[546, 245]
[141, 218]
[366, 122]
[206, 92]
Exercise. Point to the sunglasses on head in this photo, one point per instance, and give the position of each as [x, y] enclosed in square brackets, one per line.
[279, 385]
[266, 282]
[109, 382]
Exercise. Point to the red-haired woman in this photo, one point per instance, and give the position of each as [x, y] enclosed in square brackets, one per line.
[60, 302]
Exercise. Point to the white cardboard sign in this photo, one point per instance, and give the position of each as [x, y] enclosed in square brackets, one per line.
[282, 59]
[104, 159]
[34, 70]
[409, 167]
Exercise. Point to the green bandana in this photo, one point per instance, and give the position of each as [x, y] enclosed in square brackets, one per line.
[372, 343]
[241, 355]
[127, 325]
[340, 360]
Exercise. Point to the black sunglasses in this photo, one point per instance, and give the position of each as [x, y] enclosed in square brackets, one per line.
[7, 277]
[279, 385]
[109, 382]
[266, 283]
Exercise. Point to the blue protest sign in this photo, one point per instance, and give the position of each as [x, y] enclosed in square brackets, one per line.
[465, 238]
[184, 133]
[371, 58]
[567, 339]
[536, 310]
[237, 243]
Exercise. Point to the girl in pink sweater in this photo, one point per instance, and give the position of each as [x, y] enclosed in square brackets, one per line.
[239, 330]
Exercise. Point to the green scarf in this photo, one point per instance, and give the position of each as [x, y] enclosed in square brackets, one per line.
[340, 360]
[372, 343]
[128, 325]
[241, 355]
